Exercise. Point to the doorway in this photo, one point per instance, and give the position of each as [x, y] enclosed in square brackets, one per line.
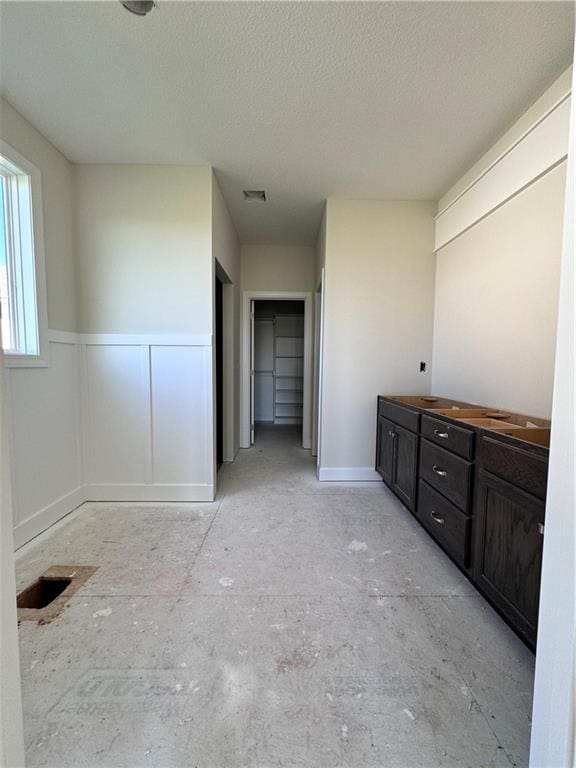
[219, 368]
[277, 364]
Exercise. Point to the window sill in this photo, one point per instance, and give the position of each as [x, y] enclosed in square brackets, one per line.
[25, 361]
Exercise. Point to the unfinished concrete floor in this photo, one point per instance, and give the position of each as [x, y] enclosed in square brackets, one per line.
[289, 623]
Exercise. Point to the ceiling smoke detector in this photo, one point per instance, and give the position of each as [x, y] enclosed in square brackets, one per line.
[254, 195]
[139, 7]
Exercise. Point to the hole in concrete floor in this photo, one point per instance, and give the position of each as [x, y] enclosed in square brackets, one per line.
[45, 598]
[42, 592]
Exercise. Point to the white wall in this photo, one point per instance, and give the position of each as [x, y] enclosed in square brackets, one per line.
[226, 251]
[378, 293]
[553, 743]
[145, 289]
[143, 236]
[44, 423]
[58, 211]
[11, 729]
[497, 277]
[124, 409]
[42, 413]
[496, 304]
[278, 268]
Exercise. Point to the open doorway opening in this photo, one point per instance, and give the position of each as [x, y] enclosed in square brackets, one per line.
[278, 338]
[278, 366]
[219, 367]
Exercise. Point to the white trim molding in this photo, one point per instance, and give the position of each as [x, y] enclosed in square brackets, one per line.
[148, 492]
[132, 339]
[348, 475]
[39, 360]
[45, 518]
[539, 150]
[30, 528]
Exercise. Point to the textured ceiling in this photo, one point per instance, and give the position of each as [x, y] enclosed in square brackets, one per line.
[306, 100]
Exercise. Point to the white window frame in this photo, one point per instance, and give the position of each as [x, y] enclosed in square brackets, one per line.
[30, 196]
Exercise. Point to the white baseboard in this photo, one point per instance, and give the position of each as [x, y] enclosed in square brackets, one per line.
[136, 492]
[348, 474]
[46, 517]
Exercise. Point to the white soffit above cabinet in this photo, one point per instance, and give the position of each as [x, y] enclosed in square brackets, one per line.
[542, 147]
[308, 100]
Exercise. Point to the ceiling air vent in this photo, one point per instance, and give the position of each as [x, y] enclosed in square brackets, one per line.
[254, 195]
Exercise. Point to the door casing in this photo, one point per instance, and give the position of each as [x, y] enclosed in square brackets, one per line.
[246, 361]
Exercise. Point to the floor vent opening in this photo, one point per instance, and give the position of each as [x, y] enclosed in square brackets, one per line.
[42, 592]
[46, 597]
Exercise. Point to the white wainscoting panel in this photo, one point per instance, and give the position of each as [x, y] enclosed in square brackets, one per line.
[45, 441]
[116, 406]
[539, 150]
[111, 418]
[182, 445]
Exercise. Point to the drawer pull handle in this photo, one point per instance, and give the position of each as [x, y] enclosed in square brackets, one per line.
[437, 518]
[441, 472]
[541, 529]
[443, 435]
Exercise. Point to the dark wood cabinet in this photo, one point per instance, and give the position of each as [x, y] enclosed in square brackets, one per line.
[445, 522]
[447, 473]
[524, 468]
[397, 456]
[399, 414]
[385, 449]
[508, 534]
[475, 478]
[455, 439]
[404, 470]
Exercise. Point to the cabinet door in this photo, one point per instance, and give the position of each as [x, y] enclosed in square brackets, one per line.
[508, 550]
[405, 466]
[385, 449]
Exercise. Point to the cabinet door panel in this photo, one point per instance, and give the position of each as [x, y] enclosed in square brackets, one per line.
[385, 449]
[508, 550]
[405, 466]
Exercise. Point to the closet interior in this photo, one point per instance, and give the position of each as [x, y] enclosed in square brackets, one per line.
[278, 361]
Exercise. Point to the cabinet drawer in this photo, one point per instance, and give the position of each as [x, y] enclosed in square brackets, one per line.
[447, 524]
[446, 473]
[399, 415]
[525, 469]
[456, 439]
